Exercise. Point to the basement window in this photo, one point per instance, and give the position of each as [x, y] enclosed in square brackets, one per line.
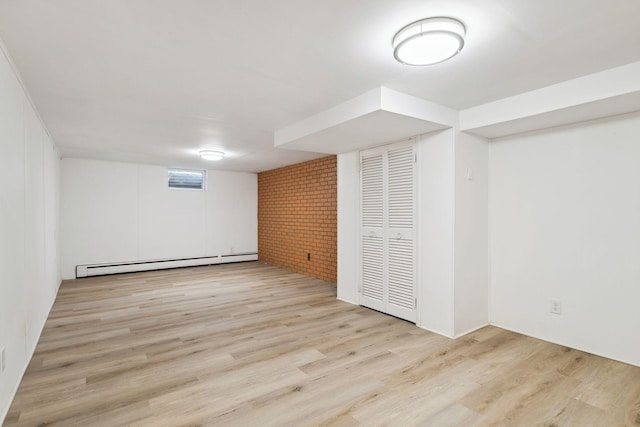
[181, 179]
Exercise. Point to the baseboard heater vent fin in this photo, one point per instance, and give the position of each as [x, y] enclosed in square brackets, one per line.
[135, 266]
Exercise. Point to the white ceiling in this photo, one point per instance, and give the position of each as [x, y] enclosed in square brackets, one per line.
[154, 81]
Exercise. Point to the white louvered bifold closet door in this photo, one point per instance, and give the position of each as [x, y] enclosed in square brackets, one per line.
[372, 199]
[388, 222]
[400, 232]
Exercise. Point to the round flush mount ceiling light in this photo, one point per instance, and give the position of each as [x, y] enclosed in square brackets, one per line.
[212, 155]
[429, 41]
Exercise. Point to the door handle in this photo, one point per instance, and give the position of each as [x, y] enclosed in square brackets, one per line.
[398, 236]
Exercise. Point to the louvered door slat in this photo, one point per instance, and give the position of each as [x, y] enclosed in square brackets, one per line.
[372, 264]
[372, 191]
[401, 187]
[401, 292]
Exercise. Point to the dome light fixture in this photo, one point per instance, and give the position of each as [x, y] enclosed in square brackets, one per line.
[429, 41]
[212, 155]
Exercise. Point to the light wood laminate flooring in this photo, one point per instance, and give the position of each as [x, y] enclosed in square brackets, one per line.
[253, 345]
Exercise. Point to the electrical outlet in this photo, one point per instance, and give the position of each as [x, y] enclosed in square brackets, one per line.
[2, 360]
[555, 307]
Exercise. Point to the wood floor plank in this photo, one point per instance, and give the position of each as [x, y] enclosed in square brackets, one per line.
[252, 345]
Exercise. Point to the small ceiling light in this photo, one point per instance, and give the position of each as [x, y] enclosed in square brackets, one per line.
[211, 155]
[428, 41]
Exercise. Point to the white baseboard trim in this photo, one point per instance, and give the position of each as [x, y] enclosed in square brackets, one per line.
[160, 264]
[607, 356]
[436, 332]
[471, 330]
[347, 301]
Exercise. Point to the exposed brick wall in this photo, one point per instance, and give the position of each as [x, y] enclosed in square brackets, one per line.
[297, 215]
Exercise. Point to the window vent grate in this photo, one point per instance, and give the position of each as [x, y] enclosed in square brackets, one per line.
[186, 179]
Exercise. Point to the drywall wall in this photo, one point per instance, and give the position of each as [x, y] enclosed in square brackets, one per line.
[471, 234]
[120, 212]
[564, 224]
[183, 218]
[348, 226]
[297, 218]
[436, 198]
[29, 272]
[99, 213]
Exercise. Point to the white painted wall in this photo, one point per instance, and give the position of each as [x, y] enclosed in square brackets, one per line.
[29, 273]
[471, 299]
[173, 223]
[435, 192]
[348, 171]
[118, 212]
[99, 213]
[565, 224]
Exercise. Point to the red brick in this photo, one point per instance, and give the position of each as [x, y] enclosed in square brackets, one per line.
[297, 215]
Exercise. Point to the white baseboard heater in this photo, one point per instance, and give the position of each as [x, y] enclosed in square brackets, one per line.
[132, 267]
